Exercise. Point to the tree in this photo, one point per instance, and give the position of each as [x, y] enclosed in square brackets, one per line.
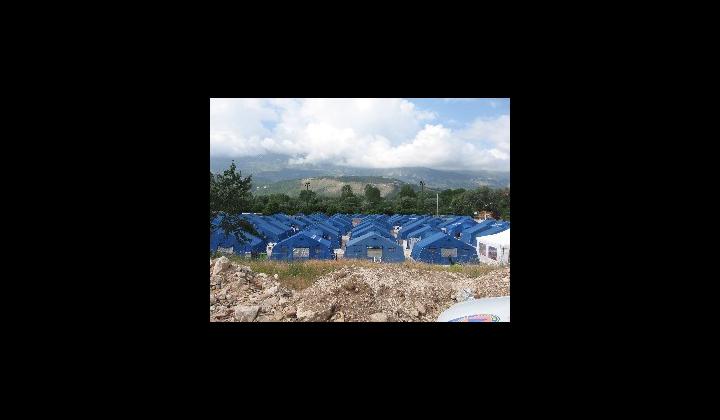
[407, 191]
[230, 195]
[346, 192]
[307, 197]
[372, 194]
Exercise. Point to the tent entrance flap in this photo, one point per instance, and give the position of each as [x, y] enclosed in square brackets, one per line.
[222, 250]
[374, 252]
[448, 252]
[301, 252]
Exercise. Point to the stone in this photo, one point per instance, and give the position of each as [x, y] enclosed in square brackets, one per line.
[216, 280]
[221, 264]
[271, 291]
[289, 312]
[262, 275]
[275, 276]
[246, 313]
[378, 317]
[268, 303]
[420, 308]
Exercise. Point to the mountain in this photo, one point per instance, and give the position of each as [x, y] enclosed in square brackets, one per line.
[270, 169]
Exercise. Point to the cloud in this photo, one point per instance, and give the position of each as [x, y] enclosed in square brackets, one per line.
[378, 133]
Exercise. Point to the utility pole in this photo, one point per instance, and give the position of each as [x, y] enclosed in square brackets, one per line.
[437, 204]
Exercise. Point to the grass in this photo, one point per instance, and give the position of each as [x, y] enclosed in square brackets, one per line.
[299, 275]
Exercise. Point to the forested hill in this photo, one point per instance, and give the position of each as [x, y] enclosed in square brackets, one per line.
[327, 186]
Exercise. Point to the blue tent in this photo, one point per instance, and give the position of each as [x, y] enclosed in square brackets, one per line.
[367, 229]
[409, 227]
[326, 232]
[499, 227]
[303, 246]
[422, 232]
[375, 245]
[455, 229]
[272, 233]
[453, 219]
[443, 249]
[469, 234]
[239, 246]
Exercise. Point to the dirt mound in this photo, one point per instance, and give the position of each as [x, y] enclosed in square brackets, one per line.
[394, 293]
[386, 293]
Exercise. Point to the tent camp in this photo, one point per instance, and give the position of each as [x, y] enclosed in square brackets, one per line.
[494, 249]
[374, 246]
[302, 246]
[443, 249]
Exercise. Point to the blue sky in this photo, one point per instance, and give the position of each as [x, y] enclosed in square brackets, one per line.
[456, 112]
[439, 133]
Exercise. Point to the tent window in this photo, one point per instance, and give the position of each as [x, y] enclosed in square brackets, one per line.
[481, 248]
[492, 253]
[374, 252]
[222, 250]
[448, 252]
[301, 252]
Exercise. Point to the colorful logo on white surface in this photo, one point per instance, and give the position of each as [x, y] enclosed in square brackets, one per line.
[477, 318]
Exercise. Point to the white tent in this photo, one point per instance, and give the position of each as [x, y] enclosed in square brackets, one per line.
[494, 248]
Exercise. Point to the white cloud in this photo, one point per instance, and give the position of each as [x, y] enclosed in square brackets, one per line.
[355, 132]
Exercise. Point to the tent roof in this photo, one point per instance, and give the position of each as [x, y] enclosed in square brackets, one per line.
[370, 235]
[501, 238]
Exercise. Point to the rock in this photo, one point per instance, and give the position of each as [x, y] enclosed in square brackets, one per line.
[210, 262]
[275, 276]
[283, 300]
[216, 280]
[378, 317]
[414, 313]
[268, 303]
[420, 308]
[221, 264]
[246, 313]
[271, 291]
[265, 318]
[289, 312]
[464, 294]
[262, 275]
[212, 308]
[313, 316]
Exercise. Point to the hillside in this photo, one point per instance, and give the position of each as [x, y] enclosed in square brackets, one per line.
[327, 186]
[270, 169]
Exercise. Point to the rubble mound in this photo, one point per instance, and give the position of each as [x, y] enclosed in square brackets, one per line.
[388, 292]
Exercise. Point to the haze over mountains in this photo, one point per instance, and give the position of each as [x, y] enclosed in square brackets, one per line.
[272, 173]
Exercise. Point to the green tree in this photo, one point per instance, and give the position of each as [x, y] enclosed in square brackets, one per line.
[346, 191]
[230, 195]
[372, 194]
[406, 191]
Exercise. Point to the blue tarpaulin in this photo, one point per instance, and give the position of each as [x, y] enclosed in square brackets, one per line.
[373, 245]
[443, 249]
